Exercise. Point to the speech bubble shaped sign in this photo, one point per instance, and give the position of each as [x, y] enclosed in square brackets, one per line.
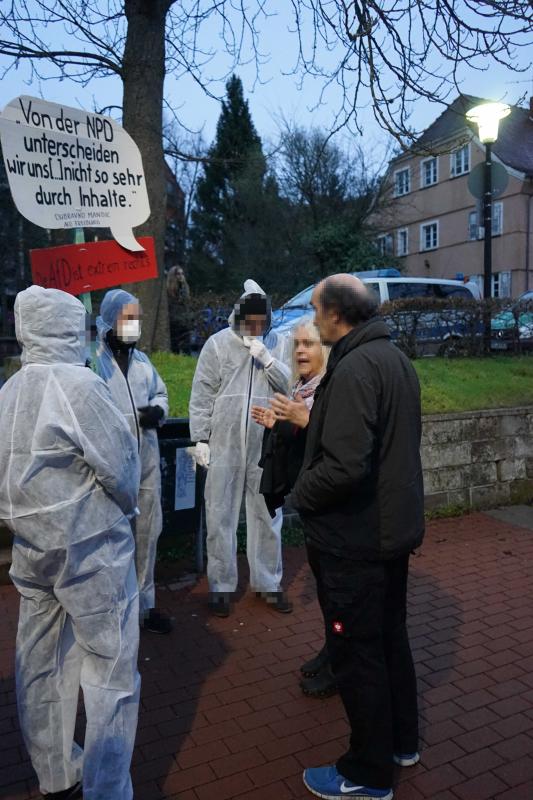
[69, 168]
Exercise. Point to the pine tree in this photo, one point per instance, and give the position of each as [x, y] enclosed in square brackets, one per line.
[229, 199]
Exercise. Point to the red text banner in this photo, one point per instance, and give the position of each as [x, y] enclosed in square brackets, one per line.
[79, 268]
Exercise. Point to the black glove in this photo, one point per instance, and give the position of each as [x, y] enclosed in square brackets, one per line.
[149, 416]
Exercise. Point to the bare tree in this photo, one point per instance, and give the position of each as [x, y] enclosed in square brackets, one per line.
[388, 53]
[333, 192]
[185, 152]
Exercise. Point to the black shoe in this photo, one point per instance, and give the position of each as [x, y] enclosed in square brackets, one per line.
[156, 622]
[314, 665]
[321, 685]
[219, 604]
[277, 601]
[73, 793]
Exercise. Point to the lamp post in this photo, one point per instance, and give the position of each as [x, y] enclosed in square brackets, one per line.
[487, 117]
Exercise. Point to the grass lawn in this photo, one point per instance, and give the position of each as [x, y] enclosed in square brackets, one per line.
[467, 384]
[462, 384]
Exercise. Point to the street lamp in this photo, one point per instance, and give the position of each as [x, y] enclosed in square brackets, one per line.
[487, 116]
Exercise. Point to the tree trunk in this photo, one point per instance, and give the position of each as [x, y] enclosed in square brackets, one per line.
[143, 79]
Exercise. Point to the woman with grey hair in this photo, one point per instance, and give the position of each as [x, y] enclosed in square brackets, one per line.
[286, 423]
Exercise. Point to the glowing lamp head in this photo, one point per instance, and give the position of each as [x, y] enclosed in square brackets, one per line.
[487, 117]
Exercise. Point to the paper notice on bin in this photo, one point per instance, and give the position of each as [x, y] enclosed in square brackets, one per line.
[185, 488]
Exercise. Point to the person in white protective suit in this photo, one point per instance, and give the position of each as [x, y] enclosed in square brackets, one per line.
[238, 367]
[142, 397]
[68, 486]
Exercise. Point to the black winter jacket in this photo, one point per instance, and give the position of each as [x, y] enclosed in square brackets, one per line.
[360, 492]
[282, 456]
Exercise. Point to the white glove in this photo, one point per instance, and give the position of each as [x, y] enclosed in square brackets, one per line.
[202, 454]
[261, 353]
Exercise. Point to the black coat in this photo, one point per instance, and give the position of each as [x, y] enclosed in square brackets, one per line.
[360, 492]
[282, 456]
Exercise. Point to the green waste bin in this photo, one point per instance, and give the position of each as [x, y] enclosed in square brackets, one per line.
[182, 487]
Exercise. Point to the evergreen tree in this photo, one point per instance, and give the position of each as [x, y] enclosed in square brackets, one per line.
[229, 199]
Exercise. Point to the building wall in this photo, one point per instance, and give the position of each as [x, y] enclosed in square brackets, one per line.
[449, 201]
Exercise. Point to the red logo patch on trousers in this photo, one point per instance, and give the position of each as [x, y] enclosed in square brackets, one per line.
[338, 627]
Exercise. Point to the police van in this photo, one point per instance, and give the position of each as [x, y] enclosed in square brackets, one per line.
[389, 285]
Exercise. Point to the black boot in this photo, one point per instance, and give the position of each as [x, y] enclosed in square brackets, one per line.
[314, 665]
[322, 684]
[156, 622]
[74, 793]
[219, 604]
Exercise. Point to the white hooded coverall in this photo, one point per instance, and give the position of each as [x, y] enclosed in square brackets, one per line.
[68, 484]
[141, 387]
[227, 382]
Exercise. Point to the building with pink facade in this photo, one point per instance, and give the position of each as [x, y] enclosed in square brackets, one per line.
[432, 223]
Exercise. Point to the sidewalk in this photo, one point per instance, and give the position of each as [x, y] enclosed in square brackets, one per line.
[223, 717]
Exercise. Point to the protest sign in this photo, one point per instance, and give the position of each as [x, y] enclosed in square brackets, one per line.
[80, 268]
[69, 168]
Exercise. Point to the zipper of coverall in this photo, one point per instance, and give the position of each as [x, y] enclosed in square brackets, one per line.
[133, 404]
[249, 398]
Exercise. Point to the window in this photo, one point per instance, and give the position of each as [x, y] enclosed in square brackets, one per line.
[429, 236]
[402, 242]
[501, 284]
[402, 182]
[473, 227]
[444, 290]
[301, 300]
[403, 291]
[497, 219]
[460, 161]
[475, 230]
[385, 244]
[428, 172]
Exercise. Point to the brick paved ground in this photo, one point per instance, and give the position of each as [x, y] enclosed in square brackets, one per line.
[222, 715]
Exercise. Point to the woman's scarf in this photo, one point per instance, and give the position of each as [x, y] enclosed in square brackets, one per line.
[306, 390]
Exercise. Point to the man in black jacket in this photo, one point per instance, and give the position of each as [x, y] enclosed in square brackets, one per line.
[360, 496]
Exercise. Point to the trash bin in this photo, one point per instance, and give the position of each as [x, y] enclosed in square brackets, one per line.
[182, 487]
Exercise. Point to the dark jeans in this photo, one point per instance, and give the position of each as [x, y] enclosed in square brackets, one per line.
[364, 607]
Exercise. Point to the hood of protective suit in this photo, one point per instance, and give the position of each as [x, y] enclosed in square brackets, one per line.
[110, 308]
[50, 326]
[252, 287]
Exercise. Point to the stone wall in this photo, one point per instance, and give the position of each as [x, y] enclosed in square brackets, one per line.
[478, 458]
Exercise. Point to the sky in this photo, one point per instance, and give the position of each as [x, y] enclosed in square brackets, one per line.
[277, 96]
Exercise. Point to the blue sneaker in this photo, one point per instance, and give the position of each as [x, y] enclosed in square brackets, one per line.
[406, 759]
[328, 783]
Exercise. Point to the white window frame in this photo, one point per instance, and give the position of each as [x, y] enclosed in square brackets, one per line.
[497, 215]
[397, 172]
[383, 240]
[473, 226]
[423, 226]
[405, 251]
[423, 183]
[453, 161]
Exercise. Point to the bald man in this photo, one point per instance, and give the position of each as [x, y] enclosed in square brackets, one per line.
[360, 496]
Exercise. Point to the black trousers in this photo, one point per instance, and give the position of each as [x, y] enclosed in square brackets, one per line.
[364, 607]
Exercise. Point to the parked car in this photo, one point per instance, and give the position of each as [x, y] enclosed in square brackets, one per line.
[433, 333]
[513, 329]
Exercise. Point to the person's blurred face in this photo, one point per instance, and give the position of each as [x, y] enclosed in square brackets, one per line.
[308, 354]
[128, 324]
[255, 324]
[325, 319]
